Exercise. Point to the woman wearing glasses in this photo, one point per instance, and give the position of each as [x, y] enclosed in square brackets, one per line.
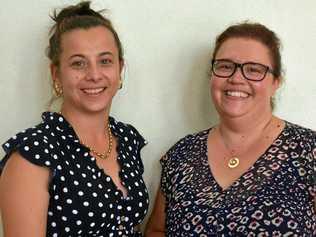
[253, 173]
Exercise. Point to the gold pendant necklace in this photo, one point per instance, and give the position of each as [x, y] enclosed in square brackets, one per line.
[234, 161]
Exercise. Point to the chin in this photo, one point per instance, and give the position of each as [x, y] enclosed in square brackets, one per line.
[232, 112]
[226, 114]
[96, 108]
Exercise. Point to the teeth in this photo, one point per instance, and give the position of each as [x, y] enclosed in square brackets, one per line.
[93, 91]
[237, 94]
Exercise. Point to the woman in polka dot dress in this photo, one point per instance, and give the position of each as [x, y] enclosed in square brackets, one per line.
[253, 174]
[78, 172]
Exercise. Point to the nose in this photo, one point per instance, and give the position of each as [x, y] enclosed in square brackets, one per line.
[238, 76]
[93, 72]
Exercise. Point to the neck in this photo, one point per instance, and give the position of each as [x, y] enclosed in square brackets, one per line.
[89, 127]
[233, 129]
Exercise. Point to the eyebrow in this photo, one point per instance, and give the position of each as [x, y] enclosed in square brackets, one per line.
[234, 61]
[106, 53]
[82, 56]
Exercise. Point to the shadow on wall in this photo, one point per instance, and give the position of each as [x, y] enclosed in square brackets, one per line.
[201, 114]
[191, 110]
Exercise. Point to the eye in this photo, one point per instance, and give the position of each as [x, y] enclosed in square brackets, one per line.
[106, 61]
[224, 66]
[78, 64]
[255, 69]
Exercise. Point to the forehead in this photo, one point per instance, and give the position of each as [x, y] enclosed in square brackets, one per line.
[243, 50]
[91, 40]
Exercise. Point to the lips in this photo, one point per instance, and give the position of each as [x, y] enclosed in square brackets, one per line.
[93, 91]
[238, 94]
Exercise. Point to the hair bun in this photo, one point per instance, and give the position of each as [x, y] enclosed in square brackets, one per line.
[81, 9]
[79, 16]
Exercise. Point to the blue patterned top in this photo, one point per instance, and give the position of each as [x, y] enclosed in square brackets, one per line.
[275, 197]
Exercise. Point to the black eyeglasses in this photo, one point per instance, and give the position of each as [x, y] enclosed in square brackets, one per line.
[251, 71]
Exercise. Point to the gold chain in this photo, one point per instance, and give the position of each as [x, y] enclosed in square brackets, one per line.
[234, 160]
[98, 154]
[105, 154]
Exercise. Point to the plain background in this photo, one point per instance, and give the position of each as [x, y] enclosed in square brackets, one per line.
[167, 45]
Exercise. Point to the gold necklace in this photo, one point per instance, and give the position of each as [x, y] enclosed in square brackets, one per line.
[234, 161]
[98, 154]
[105, 154]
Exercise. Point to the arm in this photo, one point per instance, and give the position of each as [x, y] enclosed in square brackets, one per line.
[24, 198]
[156, 224]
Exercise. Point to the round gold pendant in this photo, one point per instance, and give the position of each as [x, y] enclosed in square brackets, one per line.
[233, 162]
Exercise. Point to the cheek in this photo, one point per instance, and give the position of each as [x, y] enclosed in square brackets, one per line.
[214, 89]
[264, 91]
[215, 85]
[70, 83]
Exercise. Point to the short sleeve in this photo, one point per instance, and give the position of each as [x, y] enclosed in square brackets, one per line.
[128, 133]
[314, 171]
[170, 162]
[31, 146]
[164, 180]
[303, 154]
[130, 142]
[138, 142]
[310, 146]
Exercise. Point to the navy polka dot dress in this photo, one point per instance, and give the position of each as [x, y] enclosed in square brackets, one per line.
[84, 201]
[275, 197]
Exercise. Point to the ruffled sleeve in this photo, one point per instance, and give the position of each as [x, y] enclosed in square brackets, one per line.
[130, 141]
[138, 142]
[31, 145]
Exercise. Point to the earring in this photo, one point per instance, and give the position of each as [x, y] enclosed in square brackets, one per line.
[121, 84]
[58, 91]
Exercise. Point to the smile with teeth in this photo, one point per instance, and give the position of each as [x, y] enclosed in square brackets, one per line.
[93, 91]
[239, 94]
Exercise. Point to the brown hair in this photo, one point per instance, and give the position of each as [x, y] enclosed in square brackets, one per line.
[261, 33]
[79, 16]
[257, 32]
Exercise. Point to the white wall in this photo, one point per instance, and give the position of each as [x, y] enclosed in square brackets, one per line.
[167, 48]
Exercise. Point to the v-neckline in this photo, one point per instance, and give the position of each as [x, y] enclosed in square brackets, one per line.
[120, 163]
[92, 158]
[260, 159]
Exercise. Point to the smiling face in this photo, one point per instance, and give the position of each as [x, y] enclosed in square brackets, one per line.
[235, 96]
[89, 70]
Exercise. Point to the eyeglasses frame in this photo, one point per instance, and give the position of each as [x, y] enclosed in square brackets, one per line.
[241, 65]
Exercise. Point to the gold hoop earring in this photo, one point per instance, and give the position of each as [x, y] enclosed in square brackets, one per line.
[58, 91]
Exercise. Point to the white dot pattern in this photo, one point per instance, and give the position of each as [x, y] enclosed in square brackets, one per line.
[84, 201]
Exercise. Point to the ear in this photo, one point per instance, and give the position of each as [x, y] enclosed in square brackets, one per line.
[54, 73]
[276, 84]
[121, 65]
